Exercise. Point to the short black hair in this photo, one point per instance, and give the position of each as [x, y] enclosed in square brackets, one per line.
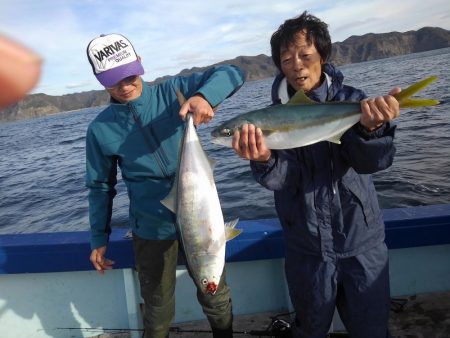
[316, 33]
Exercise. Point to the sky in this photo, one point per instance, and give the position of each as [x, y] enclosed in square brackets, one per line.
[174, 35]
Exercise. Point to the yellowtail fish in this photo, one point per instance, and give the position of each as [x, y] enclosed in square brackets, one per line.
[199, 218]
[302, 121]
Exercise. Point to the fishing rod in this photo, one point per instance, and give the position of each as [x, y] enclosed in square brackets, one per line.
[278, 328]
[259, 333]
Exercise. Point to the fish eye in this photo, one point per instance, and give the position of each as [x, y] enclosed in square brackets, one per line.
[204, 281]
[226, 132]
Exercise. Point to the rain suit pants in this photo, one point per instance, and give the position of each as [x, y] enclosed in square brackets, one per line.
[358, 286]
[156, 262]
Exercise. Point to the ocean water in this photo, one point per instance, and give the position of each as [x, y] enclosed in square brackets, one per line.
[42, 160]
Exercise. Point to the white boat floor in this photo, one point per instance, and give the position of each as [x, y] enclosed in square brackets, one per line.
[421, 316]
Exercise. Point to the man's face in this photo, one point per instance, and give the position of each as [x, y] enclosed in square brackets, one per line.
[301, 64]
[126, 90]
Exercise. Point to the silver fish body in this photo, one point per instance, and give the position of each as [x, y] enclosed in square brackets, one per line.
[293, 125]
[199, 217]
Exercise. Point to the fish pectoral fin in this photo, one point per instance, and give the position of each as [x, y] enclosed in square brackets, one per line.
[336, 138]
[300, 98]
[170, 201]
[230, 231]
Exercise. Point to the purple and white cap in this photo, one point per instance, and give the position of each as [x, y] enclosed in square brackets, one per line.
[113, 58]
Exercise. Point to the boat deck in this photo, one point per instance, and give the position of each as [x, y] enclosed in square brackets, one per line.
[421, 316]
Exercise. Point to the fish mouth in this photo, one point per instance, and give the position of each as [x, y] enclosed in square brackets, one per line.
[221, 141]
[215, 133]
[211, 288]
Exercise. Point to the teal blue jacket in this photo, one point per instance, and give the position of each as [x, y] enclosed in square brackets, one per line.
[142, 137]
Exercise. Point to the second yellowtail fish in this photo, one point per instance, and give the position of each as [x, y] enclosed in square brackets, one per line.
[302, 121]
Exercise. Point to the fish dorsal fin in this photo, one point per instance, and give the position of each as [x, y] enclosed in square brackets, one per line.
[300, 98]
[230, 231]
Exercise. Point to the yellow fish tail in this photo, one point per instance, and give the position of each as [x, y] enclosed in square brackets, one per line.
[404, 97]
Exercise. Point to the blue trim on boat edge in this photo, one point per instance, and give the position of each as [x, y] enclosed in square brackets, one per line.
[260, 239]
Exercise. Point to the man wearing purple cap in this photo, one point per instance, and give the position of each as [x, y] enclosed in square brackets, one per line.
[140, 131]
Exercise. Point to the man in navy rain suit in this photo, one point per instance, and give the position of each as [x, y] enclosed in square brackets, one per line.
[324, 195]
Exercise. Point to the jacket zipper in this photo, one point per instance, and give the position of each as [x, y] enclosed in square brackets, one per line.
[156, 153]
[332, 169]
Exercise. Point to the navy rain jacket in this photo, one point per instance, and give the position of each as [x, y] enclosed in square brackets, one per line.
[324, 194]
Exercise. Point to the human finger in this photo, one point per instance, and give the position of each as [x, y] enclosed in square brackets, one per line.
[263, 151]
[99, 261]
[393, 107]
[206, 115]
[235, 142]
[370, 116]
[96, 259]
[252, 146]
[183, 111]
[20, 70]
[107, 264]
[395, 90]
[201, 109]
[243, 142]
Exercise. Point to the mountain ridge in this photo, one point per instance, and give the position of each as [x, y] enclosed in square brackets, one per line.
[367, 47]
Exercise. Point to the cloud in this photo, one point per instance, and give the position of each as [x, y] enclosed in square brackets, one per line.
[348, 18]
[173, 35]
